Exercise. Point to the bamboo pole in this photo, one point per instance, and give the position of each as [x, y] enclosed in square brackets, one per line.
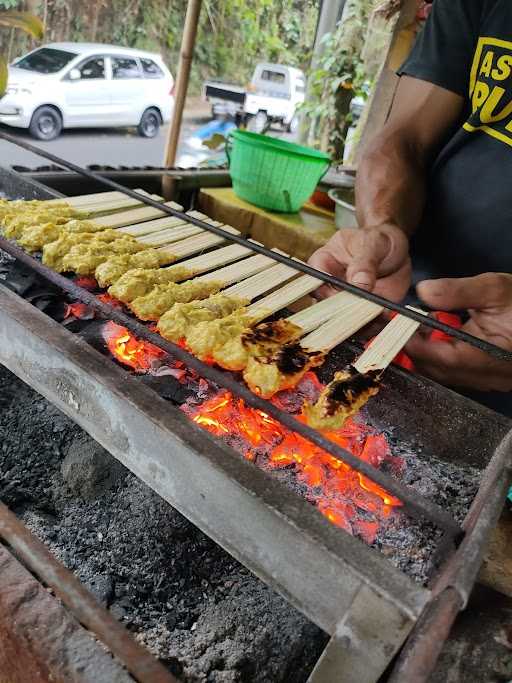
[182, 79]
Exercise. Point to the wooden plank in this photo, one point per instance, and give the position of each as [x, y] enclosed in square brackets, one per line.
[402, 40]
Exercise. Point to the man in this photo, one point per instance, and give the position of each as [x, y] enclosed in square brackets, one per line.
[435, 186]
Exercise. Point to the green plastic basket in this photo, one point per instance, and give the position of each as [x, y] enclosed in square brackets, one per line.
[271, 173]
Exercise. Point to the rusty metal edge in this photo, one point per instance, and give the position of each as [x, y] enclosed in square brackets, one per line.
[36, 557]
[452, 588]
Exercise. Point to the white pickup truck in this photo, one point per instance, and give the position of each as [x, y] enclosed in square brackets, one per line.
[273, 95]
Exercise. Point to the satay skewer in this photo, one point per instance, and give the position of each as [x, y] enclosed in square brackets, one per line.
[262, 276]
[84, 258]
[352, 387]
[282, 366]
[129, 277]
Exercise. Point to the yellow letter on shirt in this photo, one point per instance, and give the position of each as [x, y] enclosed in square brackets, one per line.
[480, 94]
[503, 68]
[486, 67]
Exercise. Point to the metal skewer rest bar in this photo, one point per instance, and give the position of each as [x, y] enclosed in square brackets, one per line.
[480, 344]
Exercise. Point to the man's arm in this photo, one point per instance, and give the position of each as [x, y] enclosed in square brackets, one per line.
[391, 178]
[390, 191]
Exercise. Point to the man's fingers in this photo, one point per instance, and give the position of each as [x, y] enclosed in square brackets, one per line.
[489, 290]
[368, 249]
[457, 364]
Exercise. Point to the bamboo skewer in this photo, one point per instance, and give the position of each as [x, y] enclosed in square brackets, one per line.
[213, 259]
[104, 208]
[231, 273]
[344, 306]
[352, 387]
[158, 224]
[354, 315]
[162, 237]
[194, 244]
[124, 218]
[83, 200]
[388, 343]
[293, 291]
[261, 282]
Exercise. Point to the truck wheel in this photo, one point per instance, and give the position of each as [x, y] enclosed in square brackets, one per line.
[149, 124]
[259, 122]
[46, 124]
[293, 126]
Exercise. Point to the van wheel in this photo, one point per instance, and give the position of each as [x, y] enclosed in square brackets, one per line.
[259, 122]
[149, 124]
[46, 124]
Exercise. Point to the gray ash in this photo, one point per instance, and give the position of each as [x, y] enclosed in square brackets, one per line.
[197, 609]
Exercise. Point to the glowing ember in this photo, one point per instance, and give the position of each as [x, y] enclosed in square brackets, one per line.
[79, 311]
[88, 283]
[346, 498]
[129, 350]
[110, 300]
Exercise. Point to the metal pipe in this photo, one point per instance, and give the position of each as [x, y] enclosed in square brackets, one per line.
[419, 656]
[416, 504]
[452, 589]
[480, 344]
[34, 554]
[182, 79]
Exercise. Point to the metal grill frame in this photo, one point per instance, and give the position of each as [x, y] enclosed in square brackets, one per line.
[353, 613]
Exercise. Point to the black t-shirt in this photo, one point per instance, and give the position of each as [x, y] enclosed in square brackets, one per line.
[466, 47]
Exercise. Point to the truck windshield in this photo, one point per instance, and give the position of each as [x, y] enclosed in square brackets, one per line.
[47, 60]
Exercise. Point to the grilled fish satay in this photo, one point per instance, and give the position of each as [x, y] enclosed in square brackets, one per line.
[352, 387]
[85, 257]
[34, 231]
[163, 297]
[282, 367]
[222, 339]
[133, 283]
[181, 318]
[138, 281]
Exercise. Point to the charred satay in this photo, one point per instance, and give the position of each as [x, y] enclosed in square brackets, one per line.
[352, 387]
[274, 367]
[222, 339]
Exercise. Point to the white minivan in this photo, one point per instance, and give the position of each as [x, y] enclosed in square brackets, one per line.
[86, 85]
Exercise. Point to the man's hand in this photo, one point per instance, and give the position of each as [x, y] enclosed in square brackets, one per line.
[376, 259]
[488, 299]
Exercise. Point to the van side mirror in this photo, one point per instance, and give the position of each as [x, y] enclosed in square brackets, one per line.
[74, 75]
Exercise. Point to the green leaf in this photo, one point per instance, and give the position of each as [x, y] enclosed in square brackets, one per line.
[3, 76]
[24, 20]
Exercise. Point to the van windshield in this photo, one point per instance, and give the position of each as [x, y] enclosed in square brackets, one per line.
[47, 60]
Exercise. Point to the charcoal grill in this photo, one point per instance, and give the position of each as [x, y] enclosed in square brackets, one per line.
[367, 606]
